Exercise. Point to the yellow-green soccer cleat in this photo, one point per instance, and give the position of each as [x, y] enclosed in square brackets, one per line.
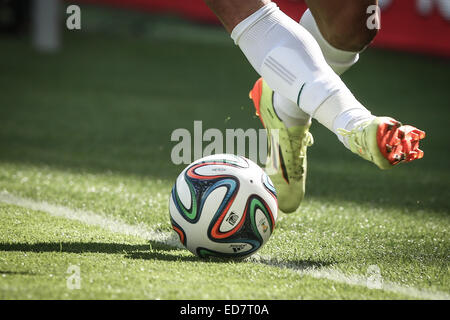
[385, 141]
[286, 159]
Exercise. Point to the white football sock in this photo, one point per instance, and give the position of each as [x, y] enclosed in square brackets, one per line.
[287, 57]
[339, 60]
[335, 114]
[291, 62]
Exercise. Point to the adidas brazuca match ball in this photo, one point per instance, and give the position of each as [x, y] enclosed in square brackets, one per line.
[223, 206]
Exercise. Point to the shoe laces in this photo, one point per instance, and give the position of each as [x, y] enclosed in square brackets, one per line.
[300, 142]
[356, 135]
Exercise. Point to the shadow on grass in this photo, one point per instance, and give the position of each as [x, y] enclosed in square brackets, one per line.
[296, 265]
[73, 247]
[85, 247]
[162, 256]
[17, 273]
[152, 251]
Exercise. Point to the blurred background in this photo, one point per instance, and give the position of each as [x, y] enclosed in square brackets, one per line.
[104, 93]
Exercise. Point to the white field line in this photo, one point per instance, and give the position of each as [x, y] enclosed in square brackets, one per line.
[170, 239]
[93, 219]
[356, 280]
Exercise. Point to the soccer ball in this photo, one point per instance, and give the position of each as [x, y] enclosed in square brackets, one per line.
[223, 206]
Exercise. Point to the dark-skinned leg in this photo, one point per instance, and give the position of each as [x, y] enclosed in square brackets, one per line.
[231, 12]
[343, 23]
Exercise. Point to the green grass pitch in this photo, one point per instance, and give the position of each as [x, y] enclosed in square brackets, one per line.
[88, 131]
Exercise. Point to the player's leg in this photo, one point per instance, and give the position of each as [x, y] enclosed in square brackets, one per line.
[341, 23]
[340, 27]
[286, 163]
[341, 33]
[232, 12]
[290, 60]
[343, 38]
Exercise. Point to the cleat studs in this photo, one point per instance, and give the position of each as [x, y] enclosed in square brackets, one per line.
[420, 133]
[388, 148]
[401, 142]
[414, 136]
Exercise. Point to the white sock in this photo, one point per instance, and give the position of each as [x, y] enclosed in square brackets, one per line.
[291, 62]
[335, 114]
[339, 60]
[287, 57]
